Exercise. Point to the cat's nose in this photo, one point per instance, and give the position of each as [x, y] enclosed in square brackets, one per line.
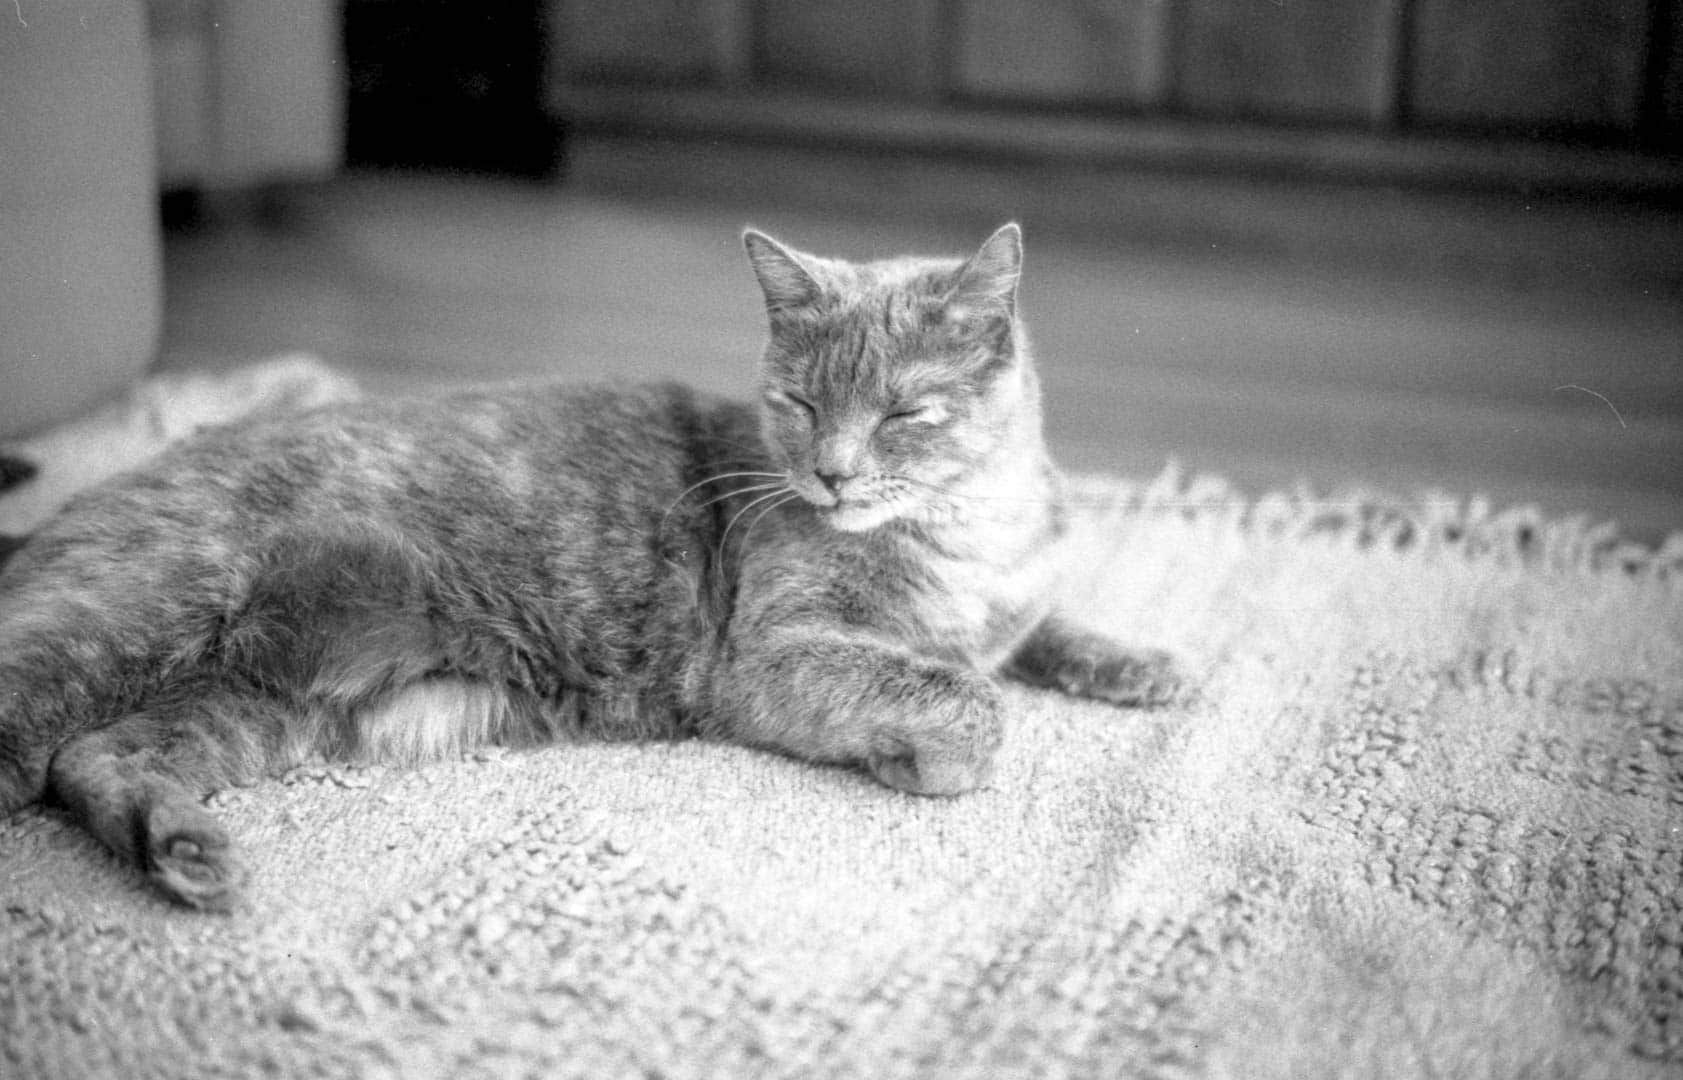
[832, 480]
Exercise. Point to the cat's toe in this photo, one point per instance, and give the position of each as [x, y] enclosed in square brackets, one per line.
[191, 858]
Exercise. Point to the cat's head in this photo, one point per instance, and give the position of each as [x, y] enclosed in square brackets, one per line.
[889, 387]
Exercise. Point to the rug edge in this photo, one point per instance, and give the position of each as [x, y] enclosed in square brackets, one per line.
[1435, 524]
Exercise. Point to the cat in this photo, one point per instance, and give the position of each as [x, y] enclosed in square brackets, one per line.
[840, 571]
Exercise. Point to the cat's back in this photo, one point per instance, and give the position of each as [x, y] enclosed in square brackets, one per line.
[609, 435]
[503, 467]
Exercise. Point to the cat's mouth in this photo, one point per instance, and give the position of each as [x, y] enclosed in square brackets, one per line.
[854, 515]
[856, 507]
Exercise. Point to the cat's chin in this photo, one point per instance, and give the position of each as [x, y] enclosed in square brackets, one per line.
[855, 517]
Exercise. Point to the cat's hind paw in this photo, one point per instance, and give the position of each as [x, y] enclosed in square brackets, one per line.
[190, 856]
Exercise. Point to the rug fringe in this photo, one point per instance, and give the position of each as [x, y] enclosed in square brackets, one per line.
[1435, 524]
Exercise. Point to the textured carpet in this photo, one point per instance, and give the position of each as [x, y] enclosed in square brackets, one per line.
[1422, 817]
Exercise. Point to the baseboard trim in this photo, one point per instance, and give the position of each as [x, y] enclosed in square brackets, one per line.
[1344, 156]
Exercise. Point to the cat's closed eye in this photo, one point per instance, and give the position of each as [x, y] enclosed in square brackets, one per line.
[785, 399]
[916, 412]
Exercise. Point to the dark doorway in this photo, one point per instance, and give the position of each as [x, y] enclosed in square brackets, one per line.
[449, 84]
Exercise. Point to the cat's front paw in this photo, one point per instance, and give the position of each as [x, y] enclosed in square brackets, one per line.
[1093, 666]
[947, 748]
[1140, 679]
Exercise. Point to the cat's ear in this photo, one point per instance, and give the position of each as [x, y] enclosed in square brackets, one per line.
[988, 282]
[785, 277]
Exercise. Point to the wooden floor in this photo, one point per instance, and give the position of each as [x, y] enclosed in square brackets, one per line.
[1267, 364]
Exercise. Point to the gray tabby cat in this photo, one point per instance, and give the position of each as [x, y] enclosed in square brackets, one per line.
[838, 574]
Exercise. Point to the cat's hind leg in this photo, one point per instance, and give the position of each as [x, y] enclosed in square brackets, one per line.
[86, 635]
[137, 785]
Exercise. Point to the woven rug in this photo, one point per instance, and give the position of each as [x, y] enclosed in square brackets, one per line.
[1421, 817]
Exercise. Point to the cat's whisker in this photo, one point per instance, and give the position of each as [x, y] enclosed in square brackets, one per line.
[775, 479]
[724, 536]
[949, 500]
[760, 474]
[969, 496]
[750, 489]
[752, 525]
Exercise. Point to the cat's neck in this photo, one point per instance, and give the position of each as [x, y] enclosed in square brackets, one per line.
[999, 514]
[1015, 496]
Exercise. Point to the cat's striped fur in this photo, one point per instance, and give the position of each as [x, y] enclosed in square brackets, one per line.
[838, 573]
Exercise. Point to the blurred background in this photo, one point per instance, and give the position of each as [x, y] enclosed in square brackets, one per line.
[1405, 245]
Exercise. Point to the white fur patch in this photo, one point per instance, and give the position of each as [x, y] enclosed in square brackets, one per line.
[431, 720]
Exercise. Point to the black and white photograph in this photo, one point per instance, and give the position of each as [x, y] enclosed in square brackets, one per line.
[883, 539]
